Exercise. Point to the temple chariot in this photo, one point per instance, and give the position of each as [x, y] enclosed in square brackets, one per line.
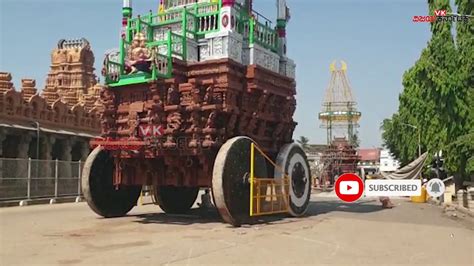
[200, 94]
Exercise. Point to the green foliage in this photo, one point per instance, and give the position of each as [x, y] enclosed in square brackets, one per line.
[304, 142]
[438, 97]
[354, 140]
[462, 151]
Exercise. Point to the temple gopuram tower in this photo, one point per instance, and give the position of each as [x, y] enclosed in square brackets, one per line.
[72, 72]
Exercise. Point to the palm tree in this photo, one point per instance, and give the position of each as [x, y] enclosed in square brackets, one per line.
[303, 141]
[355, 141]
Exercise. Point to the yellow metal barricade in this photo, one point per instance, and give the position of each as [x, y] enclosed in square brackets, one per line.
[267, 195]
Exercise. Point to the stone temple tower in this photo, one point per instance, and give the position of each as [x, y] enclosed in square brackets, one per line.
[71, 73]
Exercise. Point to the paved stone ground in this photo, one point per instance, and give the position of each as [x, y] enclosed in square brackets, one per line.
[333, 233]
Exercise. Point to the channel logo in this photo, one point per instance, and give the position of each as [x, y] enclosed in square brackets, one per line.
[349, 187]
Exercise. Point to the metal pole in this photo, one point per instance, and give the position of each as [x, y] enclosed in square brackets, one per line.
[37, 140]
[37, 150]
[56, 178]
[79, 180]
[28, 186]
[252, 155]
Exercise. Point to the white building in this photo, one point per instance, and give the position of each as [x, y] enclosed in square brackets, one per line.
[387, 162]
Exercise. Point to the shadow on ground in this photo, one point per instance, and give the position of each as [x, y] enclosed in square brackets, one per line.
[199, 216]
[194, 216]
[322, 207]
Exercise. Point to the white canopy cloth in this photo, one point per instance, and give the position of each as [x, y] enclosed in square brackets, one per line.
[410, 171]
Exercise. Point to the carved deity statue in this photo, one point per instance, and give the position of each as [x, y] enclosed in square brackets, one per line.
[139, 57]
[157, 103]
[196, 97]
[107, 99]
[252, 125]
[133, 122]
[173, 124]
[194, 121]
[172, 97]
[210, 130]
[174, 121]
[262, 102]
[211, 120]
[195, 124]
[231, 124]
[208, 97]
[153, 116]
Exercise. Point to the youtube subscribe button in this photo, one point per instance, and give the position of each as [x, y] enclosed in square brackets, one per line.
[393, 187]
[349, 187]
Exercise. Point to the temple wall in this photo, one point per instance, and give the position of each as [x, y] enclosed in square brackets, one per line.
[23, 107]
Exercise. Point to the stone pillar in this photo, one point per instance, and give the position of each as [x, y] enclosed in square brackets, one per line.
[24, 146]
[47, 145]
[67, 149]
[3, 136]
[85, 150]
[47, 154]
[66, 156]
[22, 165]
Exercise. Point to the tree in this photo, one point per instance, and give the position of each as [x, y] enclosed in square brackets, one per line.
[461, 151]
[420, 103]
[304, 142]
[438, 92]
[354, 140]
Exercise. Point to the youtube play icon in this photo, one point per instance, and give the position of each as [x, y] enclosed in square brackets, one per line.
[349, 187]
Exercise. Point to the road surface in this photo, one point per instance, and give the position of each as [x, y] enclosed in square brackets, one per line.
[333, 233]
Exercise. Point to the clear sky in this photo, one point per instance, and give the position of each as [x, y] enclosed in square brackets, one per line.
[376, 38]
